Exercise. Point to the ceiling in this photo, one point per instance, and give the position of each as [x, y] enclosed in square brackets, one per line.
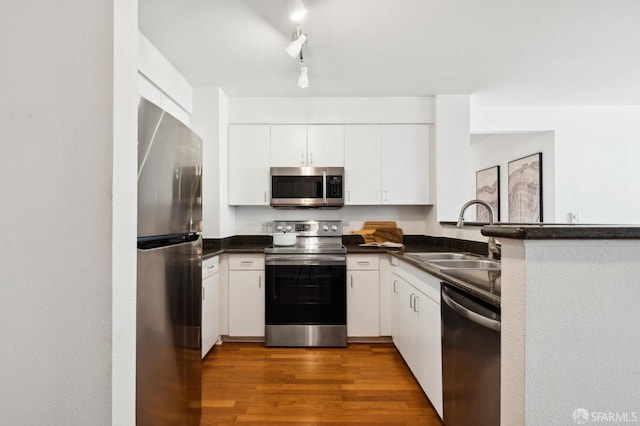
[502, 52]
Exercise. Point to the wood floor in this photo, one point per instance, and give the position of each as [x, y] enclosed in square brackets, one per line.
[364, 384]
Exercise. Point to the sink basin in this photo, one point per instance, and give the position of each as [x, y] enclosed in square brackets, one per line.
[428, 257]
[486, 264]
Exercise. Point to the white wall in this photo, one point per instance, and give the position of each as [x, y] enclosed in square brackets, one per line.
[488, 150]
[253, 220]
[570, 338]
[161, 83]
[62, 281]
[331, 110]
[124, 193]
[208, 120]
[454, 186]
[596, 154]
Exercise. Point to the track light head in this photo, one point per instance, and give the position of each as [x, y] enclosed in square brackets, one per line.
[303, 80]
[295, 47]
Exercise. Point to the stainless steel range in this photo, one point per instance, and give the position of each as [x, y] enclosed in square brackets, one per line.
[306, 286]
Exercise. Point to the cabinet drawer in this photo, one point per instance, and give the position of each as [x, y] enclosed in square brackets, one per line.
[362, 262]
[246, 262]
[210, 266]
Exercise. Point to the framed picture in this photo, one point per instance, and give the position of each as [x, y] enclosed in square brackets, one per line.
[525, 189]
[488, 189]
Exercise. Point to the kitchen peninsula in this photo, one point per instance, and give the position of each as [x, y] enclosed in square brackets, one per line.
[570, 335]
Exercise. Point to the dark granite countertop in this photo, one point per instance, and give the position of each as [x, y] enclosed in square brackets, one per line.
[563, 232]
[236, 244]
[252, 244]
[485, 285]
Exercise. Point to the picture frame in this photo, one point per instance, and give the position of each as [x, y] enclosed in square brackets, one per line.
[525, 189]
[488, 189]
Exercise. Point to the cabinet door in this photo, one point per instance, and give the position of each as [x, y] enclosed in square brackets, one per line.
[210, 322]
[363, 310]
[246, 303]
[405, 164]
[405, 329]
[429, 360]
[288, 145]
[325, 145]
[395, 308]
[249, 165]
[362, 164]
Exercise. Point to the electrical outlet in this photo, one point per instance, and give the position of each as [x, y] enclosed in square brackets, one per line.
[573, 217]
[263, 227]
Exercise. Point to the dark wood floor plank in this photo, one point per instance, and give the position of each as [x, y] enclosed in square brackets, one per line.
[363, 384]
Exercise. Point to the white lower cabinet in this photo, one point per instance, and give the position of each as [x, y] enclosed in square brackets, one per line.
[246, 295]
[363, 296]
[416, 327]
[210, 304]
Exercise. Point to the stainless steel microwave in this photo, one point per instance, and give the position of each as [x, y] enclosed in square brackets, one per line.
[293, 187]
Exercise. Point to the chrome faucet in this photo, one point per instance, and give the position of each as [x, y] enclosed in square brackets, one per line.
[493, 246]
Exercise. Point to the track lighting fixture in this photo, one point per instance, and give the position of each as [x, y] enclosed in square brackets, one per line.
[294, 49]
[297, 11]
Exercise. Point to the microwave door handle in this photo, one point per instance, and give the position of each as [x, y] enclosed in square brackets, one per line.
[324, 187]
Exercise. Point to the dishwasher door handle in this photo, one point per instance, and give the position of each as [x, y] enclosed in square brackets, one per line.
[469, 314]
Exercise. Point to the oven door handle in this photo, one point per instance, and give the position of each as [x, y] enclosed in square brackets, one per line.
[302, 260]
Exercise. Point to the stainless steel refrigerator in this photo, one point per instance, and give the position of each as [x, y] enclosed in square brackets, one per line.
[169, 293]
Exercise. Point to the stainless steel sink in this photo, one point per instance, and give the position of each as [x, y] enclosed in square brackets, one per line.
[485, 264]
[429, 257]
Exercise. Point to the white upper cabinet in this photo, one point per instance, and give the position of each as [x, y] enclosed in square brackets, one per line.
[301, 145]
[386, 164]
[249, 180]
[325, 145]
[405, 164]
[362, 145]
[288, 145]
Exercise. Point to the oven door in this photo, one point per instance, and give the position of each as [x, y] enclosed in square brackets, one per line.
[306, 290]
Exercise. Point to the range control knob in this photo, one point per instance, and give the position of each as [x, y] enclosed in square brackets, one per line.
[334, 227]
[325, 228]
[287, 228]
[279, 227]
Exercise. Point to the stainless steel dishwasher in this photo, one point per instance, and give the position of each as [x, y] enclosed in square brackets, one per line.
[470, 359]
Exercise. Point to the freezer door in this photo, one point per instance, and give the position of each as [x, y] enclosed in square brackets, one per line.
[169, 309]
[169, 174]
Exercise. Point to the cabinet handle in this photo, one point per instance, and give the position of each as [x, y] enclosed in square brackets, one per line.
[260, 281]
[202, 292]
[416, 301]
[351, 281]
[349, 195]
[311, 158]
[412, 300]
[395, 282]
[265, 196]
[246, 262]
[302, 158]
[363, 262]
